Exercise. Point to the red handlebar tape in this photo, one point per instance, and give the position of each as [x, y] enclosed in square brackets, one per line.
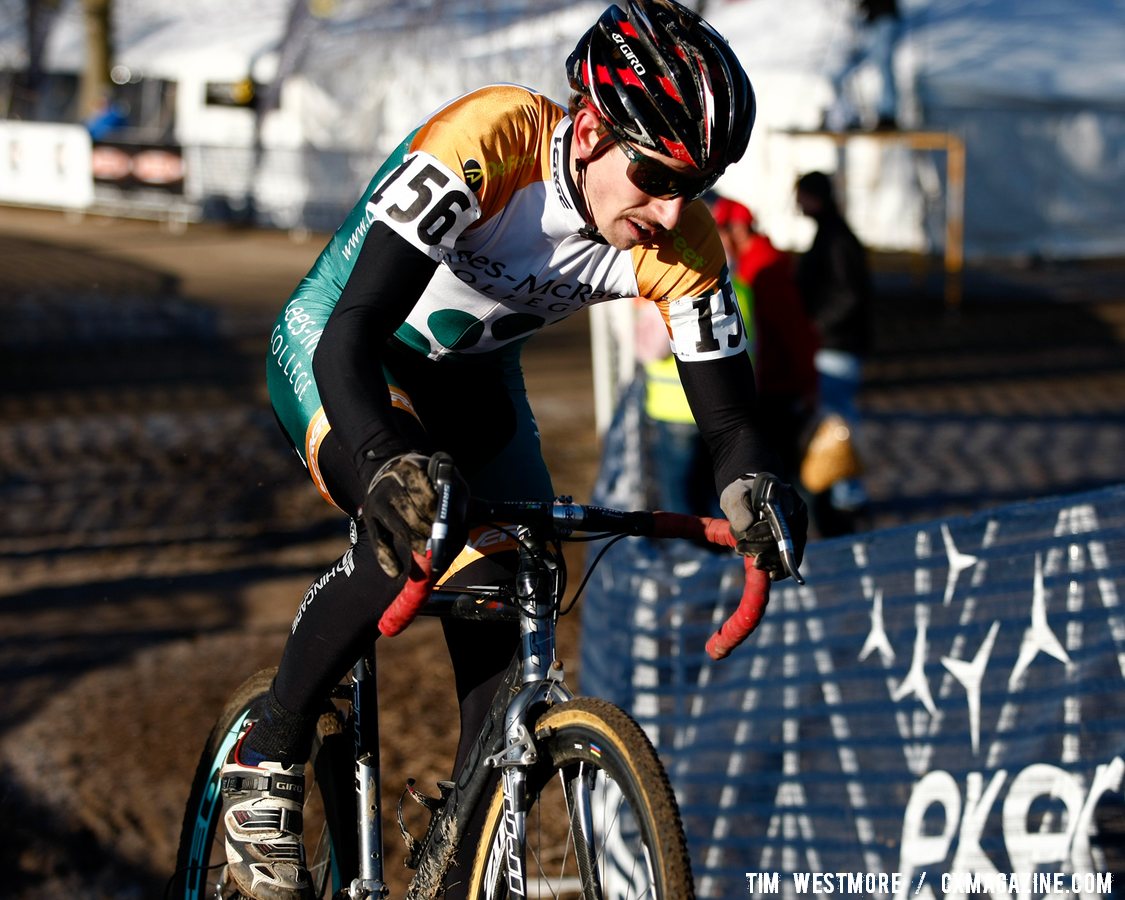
[413, 596]
[755, 595]
[751, 608]
[679, 525]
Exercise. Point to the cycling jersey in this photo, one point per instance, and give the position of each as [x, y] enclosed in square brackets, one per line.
[466, 242]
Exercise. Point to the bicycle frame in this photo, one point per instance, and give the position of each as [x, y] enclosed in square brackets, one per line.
[536, 678]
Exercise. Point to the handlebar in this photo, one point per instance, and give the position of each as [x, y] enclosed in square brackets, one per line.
[560, 519]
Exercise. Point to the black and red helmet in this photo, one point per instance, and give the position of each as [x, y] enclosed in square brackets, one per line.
[663, 78]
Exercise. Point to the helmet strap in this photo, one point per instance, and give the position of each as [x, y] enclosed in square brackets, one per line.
[589, 230]
[604, 144]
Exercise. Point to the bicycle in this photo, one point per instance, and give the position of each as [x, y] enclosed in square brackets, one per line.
[607, 826]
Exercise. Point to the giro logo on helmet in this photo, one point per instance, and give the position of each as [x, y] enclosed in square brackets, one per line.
[684, 92]
[628, 53]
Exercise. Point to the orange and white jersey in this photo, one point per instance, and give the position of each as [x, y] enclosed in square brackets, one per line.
[483, 188]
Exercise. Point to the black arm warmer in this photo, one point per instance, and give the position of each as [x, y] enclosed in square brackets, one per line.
[722, 396]
[388, 278]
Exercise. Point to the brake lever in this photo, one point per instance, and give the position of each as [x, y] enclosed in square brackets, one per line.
[441, 474]
[779, 528]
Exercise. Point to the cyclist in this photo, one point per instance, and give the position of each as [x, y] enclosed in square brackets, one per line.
[500, 214]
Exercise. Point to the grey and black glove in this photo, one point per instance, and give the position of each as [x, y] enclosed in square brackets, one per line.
[745, 503]
[399, 509]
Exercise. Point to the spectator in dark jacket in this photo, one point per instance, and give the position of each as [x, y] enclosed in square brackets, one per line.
[835, 285]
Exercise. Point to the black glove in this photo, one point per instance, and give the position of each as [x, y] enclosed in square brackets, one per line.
[400, 508]
[744, 502]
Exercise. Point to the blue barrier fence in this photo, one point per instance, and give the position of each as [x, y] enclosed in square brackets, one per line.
[936, 714]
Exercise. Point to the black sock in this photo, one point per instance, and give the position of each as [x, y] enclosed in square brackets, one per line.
[278, 735]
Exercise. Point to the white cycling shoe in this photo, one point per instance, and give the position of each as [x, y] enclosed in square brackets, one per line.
[262, 816]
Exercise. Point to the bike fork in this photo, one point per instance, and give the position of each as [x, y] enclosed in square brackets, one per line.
[542, 683]
[515, 831]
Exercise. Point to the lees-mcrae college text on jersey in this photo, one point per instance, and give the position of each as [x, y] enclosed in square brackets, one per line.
[482, 188]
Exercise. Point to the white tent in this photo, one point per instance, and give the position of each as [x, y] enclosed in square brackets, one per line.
[359, 74]
[1035, 87]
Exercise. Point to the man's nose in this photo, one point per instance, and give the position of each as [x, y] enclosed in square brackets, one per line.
[667, 212]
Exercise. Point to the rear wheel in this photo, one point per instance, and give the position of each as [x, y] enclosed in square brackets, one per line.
[602, 820]
[329, 824]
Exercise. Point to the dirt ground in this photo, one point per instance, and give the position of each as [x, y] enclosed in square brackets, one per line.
[156, 535]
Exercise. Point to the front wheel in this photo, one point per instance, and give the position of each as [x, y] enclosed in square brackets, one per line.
[329, 822]
[602, 821]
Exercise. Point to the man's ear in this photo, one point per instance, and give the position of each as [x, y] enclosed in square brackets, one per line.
[587, 132]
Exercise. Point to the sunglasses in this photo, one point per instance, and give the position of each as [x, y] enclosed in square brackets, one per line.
[657, 180]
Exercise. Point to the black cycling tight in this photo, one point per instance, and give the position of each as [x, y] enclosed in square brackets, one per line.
[337, 622]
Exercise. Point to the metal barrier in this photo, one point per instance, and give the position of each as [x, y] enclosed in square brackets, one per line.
[936, 714]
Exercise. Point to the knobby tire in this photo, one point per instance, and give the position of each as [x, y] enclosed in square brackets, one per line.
[329, 811]
[638, 844]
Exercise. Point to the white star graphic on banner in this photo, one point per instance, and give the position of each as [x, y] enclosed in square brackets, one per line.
[915, 681]
[1038, 637]
[971, 674]
[958, 563]
[877, 636]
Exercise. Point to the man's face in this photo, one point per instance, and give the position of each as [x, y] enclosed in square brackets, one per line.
[624, 214]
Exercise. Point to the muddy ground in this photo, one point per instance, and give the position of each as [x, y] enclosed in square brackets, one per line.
[156, 534]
